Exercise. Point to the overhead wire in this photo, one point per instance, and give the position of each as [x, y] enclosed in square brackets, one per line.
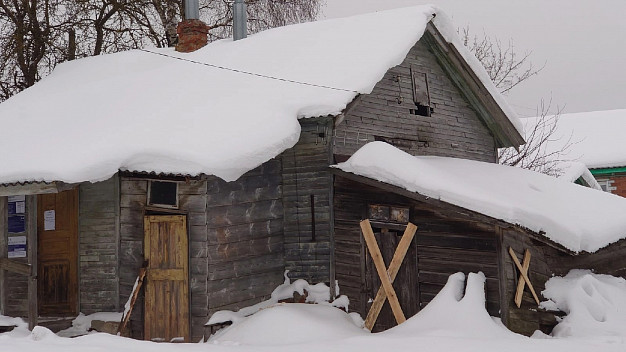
[249, 73]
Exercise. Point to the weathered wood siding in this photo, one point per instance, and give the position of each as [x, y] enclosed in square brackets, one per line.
[192, 202]
[244, 243]
[453, 129]
[14, 286]
[608, 260]
[526, 319]
[446, 243]
[98, 247]
[305, 177]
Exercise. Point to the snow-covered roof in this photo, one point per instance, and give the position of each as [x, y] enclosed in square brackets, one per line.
[148, 111]
[574, 170]
[596, 138]
[579, 218]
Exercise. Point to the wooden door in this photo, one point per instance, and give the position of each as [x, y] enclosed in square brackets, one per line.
[167, 285]
[405, 284]
[57, 253]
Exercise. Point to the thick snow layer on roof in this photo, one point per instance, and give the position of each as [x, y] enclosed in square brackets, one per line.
[566, 212]
[596, 138]
[143, 111]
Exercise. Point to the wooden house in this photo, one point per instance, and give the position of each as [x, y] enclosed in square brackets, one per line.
[221, 194]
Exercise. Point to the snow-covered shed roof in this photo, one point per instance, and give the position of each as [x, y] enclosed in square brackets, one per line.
[221, 110]
[595, 138]
[567, 213]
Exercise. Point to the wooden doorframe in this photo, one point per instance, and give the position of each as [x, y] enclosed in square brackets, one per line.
[38, 221]
[148, 218]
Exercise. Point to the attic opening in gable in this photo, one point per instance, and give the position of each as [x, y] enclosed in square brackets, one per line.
[421, 93]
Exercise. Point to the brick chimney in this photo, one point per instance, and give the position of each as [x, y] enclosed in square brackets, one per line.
[192, 33]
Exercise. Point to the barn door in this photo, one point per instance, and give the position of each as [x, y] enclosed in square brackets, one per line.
[57, 253]
[405, 284]
[167, 285]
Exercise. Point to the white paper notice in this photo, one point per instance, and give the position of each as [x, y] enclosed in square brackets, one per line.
[20, 207]
[49, 220]
[14, 240]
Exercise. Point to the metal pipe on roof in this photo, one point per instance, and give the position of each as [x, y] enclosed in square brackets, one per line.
[192, 9]
[240, 20]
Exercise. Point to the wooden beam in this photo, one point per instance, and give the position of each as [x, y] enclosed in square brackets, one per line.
[34, 188]
[523, 273]
[31, 233]
[15, 267]
[521, 283]
[377, 258]
[131, 301]
[392, 271]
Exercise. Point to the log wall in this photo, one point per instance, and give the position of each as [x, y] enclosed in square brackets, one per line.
[245, 242]
[98, 247]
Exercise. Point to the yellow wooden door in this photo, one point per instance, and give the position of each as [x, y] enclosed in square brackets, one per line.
[57, 253]
[167, 281]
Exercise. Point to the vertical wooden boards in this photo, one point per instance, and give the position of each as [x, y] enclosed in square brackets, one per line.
[166, 314]
[57, 253]
[392, 271]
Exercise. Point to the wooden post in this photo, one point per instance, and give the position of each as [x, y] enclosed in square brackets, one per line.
[394, 267]
[377, 258]
[131, 300]
[3, 248]
[31, 233]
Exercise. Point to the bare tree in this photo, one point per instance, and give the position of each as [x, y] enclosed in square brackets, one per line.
[36, 35]
[544, 151]
[505, 66]
[507, 69]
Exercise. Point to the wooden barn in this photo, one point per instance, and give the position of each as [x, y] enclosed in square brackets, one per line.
[222, 185]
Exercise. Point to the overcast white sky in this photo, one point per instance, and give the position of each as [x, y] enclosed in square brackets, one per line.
[582, 42]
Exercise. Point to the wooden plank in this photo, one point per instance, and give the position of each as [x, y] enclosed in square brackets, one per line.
[32, 252]
[166, 274]
[15, 267]
[392, 271]
[377, 257]
[131, 301]
[523, 273]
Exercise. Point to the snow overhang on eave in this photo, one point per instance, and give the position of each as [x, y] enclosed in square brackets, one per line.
[30, 188]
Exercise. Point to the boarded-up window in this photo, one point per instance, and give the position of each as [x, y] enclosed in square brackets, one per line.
[421, 93]
[163, 194]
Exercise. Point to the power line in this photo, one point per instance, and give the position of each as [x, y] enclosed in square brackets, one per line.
[250, 73]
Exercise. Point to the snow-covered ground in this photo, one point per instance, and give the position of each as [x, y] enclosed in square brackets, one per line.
[455, 320]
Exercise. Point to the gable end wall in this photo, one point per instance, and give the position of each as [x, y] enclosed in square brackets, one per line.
[453, 130]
